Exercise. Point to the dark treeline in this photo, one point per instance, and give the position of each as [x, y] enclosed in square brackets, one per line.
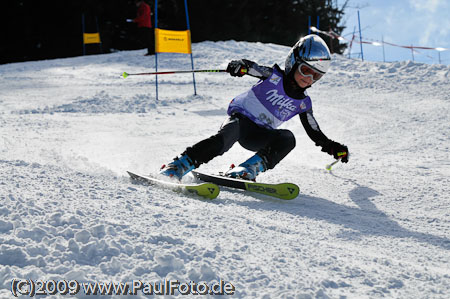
[34, 30]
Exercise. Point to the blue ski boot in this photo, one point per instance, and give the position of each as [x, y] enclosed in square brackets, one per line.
[178, 168]
[248, 170]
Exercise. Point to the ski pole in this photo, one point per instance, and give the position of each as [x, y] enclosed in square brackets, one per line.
[328, 167]
[125, 74]
[340, 155]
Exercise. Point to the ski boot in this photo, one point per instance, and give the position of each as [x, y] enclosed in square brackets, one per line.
[178, 168]
[248, 170]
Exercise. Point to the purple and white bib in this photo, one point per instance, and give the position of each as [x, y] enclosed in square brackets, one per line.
[267, 104]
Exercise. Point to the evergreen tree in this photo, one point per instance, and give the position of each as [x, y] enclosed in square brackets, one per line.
[52, 28]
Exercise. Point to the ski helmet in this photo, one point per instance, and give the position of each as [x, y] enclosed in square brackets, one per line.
[311, 50]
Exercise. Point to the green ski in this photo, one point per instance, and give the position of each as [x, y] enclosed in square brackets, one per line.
[207, 190]
[282, 190]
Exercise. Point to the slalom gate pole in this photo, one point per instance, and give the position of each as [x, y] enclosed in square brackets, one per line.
[125, 74]
[192, 58]
[360, 38]
[156, 50]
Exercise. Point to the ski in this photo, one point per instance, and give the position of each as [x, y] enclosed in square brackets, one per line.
[282, 190]
[207, 190]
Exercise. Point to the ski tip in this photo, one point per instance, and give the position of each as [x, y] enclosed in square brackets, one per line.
[125, 74]
[293, 191]
[205, 190]
[213, 191]
[135, 177]
[286, 191]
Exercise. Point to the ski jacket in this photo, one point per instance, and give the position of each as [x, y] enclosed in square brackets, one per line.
[276, 99]
[143, 18]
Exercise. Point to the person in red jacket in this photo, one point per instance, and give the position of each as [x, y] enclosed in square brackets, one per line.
[144, 24]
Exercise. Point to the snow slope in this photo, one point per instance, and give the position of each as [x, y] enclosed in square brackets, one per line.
[378, 226]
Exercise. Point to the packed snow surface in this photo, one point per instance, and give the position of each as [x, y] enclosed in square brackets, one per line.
[376, 227]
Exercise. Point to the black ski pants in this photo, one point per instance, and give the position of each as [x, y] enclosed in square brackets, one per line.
[270, 144]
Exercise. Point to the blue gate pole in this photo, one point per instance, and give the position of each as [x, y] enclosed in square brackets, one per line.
[156, 54]
[360, 38]
[192, 58]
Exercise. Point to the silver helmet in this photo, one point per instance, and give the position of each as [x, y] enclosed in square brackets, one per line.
[311, 50]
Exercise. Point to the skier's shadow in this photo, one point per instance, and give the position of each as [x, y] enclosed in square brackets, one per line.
[366, 219]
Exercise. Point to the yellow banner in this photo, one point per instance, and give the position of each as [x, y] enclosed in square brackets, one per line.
[171, 41]
[91, 38]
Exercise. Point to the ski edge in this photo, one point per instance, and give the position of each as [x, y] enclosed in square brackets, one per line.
[206, 190]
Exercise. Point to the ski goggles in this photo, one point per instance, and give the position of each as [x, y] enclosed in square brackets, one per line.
[307, 71]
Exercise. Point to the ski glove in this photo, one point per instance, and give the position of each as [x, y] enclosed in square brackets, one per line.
[237, 68]
[337, 150]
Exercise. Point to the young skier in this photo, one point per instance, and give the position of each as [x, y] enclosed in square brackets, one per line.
[255, 115]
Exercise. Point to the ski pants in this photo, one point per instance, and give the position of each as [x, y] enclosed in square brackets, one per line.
[272, 145]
